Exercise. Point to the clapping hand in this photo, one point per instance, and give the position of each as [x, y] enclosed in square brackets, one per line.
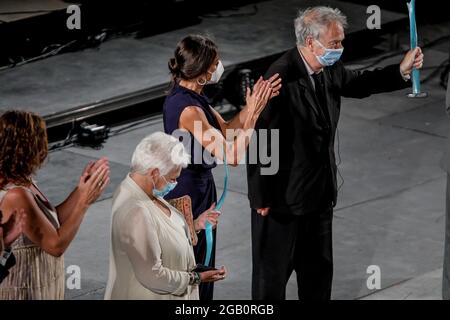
[275, 84]
[94, 181]
[258, 97]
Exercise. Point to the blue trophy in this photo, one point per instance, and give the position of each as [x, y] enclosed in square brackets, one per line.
[416, 93]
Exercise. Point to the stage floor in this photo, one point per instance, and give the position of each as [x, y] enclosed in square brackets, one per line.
[127, 64]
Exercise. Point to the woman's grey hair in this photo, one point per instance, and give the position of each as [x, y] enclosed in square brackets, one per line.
[312, 21]
[159, 151]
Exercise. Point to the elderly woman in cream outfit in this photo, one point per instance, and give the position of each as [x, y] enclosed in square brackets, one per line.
[151, 254]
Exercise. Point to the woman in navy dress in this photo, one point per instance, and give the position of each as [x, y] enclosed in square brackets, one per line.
[189, 116]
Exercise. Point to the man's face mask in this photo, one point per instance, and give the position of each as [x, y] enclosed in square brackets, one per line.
[217, 74]
[330, 56]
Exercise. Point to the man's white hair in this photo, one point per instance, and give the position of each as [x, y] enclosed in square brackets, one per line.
[159, 151]
[312, 21]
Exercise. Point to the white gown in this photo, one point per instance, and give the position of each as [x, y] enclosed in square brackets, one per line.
[150, 253]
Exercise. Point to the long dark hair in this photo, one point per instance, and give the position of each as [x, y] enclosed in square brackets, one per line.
[192, 57]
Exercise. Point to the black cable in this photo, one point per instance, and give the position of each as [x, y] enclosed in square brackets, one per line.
[66, 142]
[100, 38]
[60, 146]
[43, 56]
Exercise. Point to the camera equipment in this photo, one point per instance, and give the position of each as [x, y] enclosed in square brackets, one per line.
[92, 135]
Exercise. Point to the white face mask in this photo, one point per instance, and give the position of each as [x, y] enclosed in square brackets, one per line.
[216, 75]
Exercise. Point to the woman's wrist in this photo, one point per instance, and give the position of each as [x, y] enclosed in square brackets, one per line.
[250, 122]
[251, 111]
[255, 117]
[77, 197]
[81, 201]
[197, 229]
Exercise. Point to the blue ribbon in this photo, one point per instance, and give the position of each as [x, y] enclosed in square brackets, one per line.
[209, 227]
[413, 39]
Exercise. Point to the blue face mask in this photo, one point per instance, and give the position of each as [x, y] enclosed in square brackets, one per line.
[165, 191]
[330, 56]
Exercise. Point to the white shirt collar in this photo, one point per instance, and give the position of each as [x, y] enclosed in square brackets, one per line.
[308, 68]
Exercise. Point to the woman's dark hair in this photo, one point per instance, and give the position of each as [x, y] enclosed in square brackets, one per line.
[23, 146]
[193, 57]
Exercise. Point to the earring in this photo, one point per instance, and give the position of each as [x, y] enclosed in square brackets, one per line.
[202, 83]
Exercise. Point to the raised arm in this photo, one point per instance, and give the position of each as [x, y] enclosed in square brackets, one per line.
[69, 206]
[38, 228]
[360, 84]
[194, 120]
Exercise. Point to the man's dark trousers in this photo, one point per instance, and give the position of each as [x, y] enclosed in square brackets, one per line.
[307, 250]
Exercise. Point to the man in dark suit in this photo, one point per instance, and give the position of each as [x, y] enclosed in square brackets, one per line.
[9, 231]
[292, 210]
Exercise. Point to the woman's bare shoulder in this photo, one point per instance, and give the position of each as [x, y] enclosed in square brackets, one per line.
[18, 197]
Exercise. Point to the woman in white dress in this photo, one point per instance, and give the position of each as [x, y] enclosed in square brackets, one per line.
[151, 255]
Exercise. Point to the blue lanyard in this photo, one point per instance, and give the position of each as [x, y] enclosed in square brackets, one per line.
[208, 228]
[413, 39]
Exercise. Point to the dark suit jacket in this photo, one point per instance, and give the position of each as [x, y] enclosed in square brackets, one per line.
[306, 180]
[4, 269]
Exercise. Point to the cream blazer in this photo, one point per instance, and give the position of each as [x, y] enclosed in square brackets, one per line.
[150, 253]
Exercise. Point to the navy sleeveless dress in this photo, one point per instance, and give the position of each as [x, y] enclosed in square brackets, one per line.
[196, 180]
